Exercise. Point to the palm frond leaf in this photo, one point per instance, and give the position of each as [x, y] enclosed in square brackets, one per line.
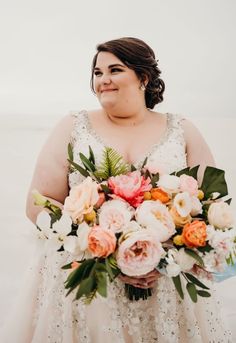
[112, 165]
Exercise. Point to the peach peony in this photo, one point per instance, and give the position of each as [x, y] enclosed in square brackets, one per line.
[139, 253]
[101, 242]
[178, 220]
[81, 200]
[195, 234]
[130, 187]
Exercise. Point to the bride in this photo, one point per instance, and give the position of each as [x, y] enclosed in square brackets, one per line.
[126, 81]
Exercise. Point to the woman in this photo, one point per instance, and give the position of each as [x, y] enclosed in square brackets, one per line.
[126, 81]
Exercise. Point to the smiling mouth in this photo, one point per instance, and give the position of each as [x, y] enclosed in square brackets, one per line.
[108, 90]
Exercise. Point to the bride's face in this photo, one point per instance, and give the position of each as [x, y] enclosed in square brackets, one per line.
[115, 83]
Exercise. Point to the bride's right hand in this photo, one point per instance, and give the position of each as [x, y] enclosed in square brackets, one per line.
[144, 281]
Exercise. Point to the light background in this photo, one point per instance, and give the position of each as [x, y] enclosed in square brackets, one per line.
[46, 52]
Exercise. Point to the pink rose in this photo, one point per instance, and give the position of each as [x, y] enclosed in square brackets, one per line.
[130, 187]
[101, 242]
[139, 253]
[188, 184]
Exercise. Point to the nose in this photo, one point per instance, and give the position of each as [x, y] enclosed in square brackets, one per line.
[105, 79]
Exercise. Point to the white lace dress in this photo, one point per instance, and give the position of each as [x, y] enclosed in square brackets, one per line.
[45, 315]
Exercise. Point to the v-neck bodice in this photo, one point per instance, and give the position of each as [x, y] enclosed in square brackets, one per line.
[168, 154]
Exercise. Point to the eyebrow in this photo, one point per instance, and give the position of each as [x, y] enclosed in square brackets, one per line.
[112, 66]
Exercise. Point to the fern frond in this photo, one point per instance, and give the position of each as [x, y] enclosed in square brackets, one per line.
[112, 165]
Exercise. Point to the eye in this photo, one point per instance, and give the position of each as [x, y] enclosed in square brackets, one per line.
[97, 73]
[116, 70]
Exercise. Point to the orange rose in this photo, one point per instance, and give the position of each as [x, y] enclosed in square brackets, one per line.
[194, 234]
[178, 220]
[159, 194]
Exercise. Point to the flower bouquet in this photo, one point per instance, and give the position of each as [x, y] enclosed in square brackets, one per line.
[129, 221]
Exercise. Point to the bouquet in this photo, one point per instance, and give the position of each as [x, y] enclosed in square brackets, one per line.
[121, 220]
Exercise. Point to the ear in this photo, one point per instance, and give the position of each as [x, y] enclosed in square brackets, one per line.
[144, 79]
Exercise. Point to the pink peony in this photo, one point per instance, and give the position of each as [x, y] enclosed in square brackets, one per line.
[188, 184]
[101, 242]
[139, 253]
[130, 187]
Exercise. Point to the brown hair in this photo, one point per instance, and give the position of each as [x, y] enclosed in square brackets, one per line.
[136, 55]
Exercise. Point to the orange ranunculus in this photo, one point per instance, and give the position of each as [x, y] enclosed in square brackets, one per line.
[194, 234]
[159, 194]
[178, 220]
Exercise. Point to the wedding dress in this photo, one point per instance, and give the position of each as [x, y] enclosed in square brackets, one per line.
[45, 315]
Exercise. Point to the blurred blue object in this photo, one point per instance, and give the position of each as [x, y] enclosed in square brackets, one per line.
[229, 272]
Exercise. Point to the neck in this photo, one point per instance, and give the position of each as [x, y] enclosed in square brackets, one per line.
[127, 118]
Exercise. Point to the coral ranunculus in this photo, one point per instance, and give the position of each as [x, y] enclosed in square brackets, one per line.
[159, 194]
[101, 242]
[130, 187]
[195, 234]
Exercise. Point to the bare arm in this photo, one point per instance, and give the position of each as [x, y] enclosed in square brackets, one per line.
[50, 174]
[198, 152]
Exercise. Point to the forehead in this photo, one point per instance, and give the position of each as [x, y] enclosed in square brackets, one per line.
[104, 59]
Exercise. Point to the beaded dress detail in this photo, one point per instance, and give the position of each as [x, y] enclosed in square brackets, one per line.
[162, 318]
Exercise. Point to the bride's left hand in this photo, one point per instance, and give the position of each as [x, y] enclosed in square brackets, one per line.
[144, 281]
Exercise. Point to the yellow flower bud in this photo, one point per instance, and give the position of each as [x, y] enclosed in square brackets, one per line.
[178, 240]
[90, 217]
[200, 194]
[39, 199]
[147, 196]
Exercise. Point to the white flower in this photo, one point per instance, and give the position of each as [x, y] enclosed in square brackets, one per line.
[155, 216]
[169, 183]
[196, 206]
[115, 215]
[172, 268]
[220, 215]
[61, 228]
[43, 222]
[221, 241]
[185, 261]
[183, 204]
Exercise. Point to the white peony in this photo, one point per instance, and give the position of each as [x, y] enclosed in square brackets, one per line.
[183, 204]
[169, 183]
[220, 215]
[115, 215]
[155, 216]
[196, 206]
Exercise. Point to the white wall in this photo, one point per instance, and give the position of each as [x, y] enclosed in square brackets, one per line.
[47, 47]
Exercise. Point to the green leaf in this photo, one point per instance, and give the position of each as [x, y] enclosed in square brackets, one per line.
[192, 291]
[194, 280]
[178, 286]
[66, 266]
[193, 254]
[88, 165]
[91, 155]
[105, 189]
[70, 152]
[193, 172]
[112, 272]
[214, 181]
[182, 171]
[155, 179]
[133, 168]
[102, 283]
[228, 201]
[204, 294]
[86, 287]
[80, 273]
[144, 163]
[82, 171]
[112, 164]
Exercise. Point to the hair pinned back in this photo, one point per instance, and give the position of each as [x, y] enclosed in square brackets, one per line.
[136, 55]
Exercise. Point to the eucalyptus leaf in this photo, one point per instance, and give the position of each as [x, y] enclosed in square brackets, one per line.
[91, 155]
[88, 165]
[192, 291]
[193, 254]
[102, 283]
[82, 171]
[70, 152]
[204, 294]
[178, 286]
[194, 280]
